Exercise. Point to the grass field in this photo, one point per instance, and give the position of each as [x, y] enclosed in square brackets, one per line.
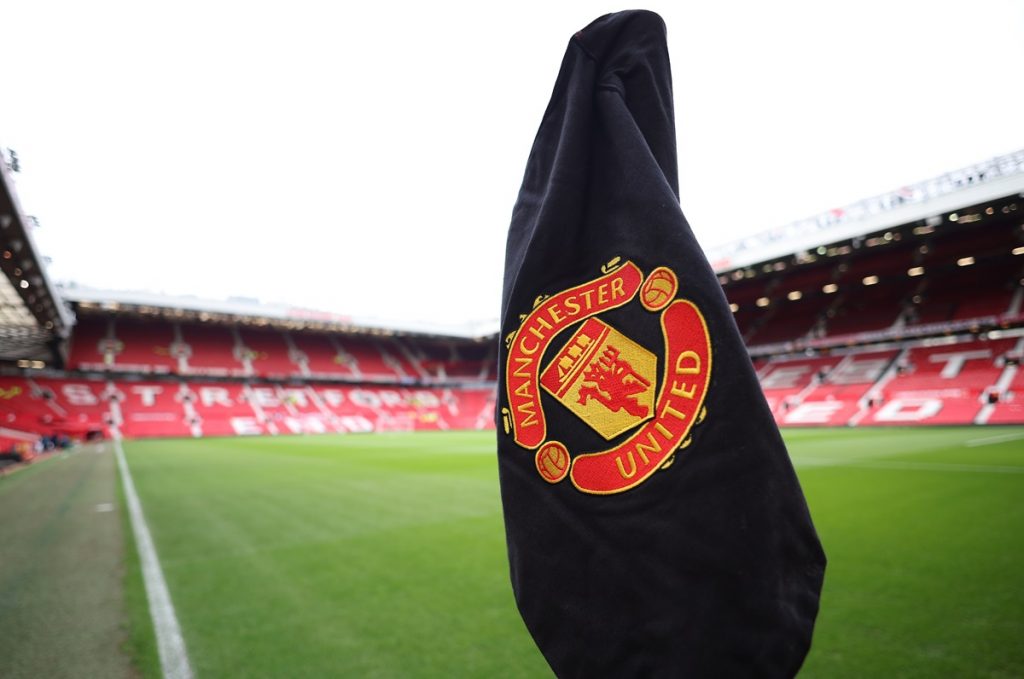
[384, 555]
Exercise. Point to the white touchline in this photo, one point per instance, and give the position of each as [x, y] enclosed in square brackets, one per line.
[994, 439]
[170, 644]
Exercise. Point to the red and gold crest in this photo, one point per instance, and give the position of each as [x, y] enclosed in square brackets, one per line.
[608, 380]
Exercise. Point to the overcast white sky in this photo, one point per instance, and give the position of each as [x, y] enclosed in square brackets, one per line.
[366, 161]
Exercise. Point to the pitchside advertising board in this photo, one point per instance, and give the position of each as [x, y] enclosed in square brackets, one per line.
[607, 380]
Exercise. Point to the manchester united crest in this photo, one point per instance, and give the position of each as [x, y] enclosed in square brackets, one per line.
[608, 380]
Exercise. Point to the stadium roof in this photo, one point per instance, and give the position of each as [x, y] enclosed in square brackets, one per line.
[252, 311]
[33, 319]
[927, 200]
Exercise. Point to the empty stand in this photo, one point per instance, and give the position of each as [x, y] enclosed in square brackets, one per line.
[785, 381]
[152, 409]
[91, 348]
[211, 350]
[323, 356]
[839, 397]
[371, 360]
[144, 346]
[941, 384]
[267, 353]
[222, 409]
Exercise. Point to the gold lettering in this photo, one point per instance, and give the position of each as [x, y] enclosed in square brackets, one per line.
[531, 418]
[673, 412]
[542, 323]
[622, 471]
[602, 293]
[617, 290]
[573, 305]
[586, 298]
[524, 390]
[524, 363]
[655, 447]
[677, 390]
[663, 431]
[554, 313]
[693, 368]
[528, 352]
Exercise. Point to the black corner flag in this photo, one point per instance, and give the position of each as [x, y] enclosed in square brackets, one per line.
[655, 525]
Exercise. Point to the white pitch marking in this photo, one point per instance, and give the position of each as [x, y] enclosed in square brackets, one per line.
[170, 643]
[105, 507]
[994, 439]
[942, 467]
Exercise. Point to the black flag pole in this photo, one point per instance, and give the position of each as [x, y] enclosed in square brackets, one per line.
[655, 525]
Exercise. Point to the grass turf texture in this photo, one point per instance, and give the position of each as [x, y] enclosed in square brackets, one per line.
[384, 555]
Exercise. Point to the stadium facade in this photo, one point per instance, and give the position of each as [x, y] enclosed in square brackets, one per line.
[902, 309]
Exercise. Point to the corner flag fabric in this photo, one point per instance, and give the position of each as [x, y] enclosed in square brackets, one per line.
[655, 525]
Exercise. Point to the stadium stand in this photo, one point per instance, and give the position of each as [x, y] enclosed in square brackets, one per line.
[914, 322]
[211, 350]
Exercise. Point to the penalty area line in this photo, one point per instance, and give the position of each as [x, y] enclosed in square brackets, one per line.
[170, 643]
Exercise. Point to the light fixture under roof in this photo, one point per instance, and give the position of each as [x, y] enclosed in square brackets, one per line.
[916, 271]
[870, 280]
[965, 261]
[794, 295]
[762, 301]
[829, 288]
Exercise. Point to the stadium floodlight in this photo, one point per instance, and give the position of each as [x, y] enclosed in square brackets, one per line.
[954, 217]
[734, 307]
[869, 280]
[1018, 250]
[794, 295]
[915, 271]
[762, 301]
[829, 288]
[965, 261]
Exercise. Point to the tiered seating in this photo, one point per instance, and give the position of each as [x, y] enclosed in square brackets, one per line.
[152, 409]
[291, 409]
[964, 292]
[87, 343]
[24, 409]
[864, 307]
[84, 405]
[470, 408]
[410, 360]
[1010, 407]
[784, 381]
[838, 398]
[789, 319]
[322, 357]
[961, 293]
[744, 295]
[387, 409]
[868, 309]
[145, 346]
[442, 361]
[268, 353]
[941, 385]
[369, 359]
[223, 409]
[212, 350]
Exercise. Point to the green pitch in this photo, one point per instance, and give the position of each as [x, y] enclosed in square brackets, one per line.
[384, 555]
